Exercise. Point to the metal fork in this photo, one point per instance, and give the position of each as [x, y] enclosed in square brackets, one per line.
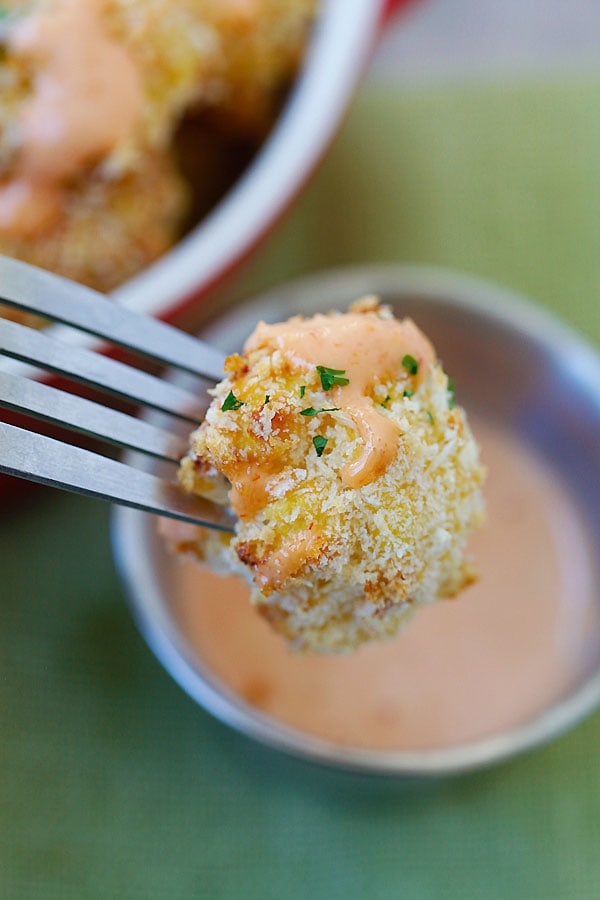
[27, 454]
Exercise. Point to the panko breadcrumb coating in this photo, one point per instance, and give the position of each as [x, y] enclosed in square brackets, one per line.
[355, 477]
[92, 93]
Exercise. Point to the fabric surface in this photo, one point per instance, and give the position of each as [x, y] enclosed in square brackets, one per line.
[113, 784]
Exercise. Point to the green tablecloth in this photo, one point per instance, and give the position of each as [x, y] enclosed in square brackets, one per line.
[112, 782]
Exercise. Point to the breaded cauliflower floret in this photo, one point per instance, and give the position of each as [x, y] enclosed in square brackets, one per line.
[92, 93]
[354, 475]
[108, 230]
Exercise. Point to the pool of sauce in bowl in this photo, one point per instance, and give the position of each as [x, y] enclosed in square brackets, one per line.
[502, 652]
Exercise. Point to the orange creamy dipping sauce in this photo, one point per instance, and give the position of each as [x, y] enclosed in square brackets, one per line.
[505, 650]
[87, 98]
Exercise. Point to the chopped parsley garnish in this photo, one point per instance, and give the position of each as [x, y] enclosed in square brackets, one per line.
[302, 390]
[311, 411]
[331, 377]
[429, 416]
[407, 393]
[320, 443]
[267, 398]
[386, 401]
[451, 393]
[410, 364]
[231, 402]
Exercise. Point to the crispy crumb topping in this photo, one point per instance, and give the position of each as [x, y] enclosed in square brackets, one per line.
[334, 561]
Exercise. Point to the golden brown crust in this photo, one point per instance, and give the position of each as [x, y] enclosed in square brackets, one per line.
[332, 566]
[124, 209]
[109, 230]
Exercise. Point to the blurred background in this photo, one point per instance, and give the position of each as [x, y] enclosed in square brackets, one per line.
[473, 143]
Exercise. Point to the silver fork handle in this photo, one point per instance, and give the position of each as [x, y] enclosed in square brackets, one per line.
[47, 461]
[86, 416]
[35, 290]
[98, 371]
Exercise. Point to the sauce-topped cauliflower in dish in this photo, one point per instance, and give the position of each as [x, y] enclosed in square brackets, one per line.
[93, 95]
[354, 476]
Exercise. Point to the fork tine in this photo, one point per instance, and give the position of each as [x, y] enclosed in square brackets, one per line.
[28, 345]
[52, 405]
[47, 461]
[35, 290]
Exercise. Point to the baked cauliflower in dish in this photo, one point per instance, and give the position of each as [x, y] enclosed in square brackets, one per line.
[93, 93]
[354, 476]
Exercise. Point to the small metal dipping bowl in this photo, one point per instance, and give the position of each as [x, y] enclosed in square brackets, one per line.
[519, 369]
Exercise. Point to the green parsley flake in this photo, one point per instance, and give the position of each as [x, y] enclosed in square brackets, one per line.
[410, 364]
[311, 411]
[267, 399]
[302, 390]
[451, 393]
[386, 401]
[429, 416]
[231, 402]
[407, 393]
[331, 377]
[320, 443]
